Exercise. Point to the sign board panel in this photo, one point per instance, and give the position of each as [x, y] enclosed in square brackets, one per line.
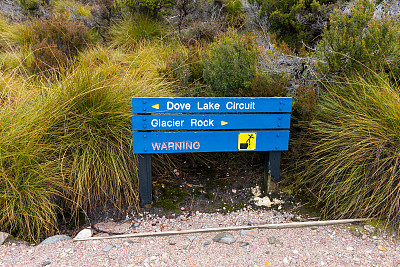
[209, 141]
[211, 104]
[210, 122]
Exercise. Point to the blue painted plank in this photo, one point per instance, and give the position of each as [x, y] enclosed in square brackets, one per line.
[210, 122]
[212, 141]
[211, 104]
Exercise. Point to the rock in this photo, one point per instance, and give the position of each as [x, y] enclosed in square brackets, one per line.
[314, 228]
[369, 228]
[191, 238]
[225, 238]
[252, 232]
[285, 260]
[107, 248]
[272, 240]
[54, 239]
[206, 244]
[153, 258]
[172, 243]
[85, 233]
[349, 248]
[381, 248]
[243, 244]
[356, 233]
[46, 263]
[3, 237]
[135, 225]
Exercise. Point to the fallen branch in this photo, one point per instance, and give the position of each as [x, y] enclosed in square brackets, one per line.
[232, 228]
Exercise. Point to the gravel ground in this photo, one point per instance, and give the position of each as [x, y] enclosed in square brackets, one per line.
[317, 246]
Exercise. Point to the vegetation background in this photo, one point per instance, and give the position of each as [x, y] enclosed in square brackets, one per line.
[68, 70]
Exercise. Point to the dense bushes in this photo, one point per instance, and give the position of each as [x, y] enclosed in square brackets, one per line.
[55, 42]
[353, 166]
[296, 21]
[356, 41]
[229, 65]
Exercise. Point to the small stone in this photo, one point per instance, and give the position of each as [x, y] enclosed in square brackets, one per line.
[118, 246]
[132, 242]
[364, 237]
[252, 232]
[225, 238]
[349, 248]
[369, 228]
[135, 225]
[54, 239]
[381, 248]
[285, 260]
[206, 244]
[153, 258]
[191, 238]
[3, 237]
[146, 260]
[85, 233]
[107, 248]
[172, 243]
[314, 228]
[356, 233]
[46, 263]
[295, 251]
[294, 261]
[272, 240]
[243, 244]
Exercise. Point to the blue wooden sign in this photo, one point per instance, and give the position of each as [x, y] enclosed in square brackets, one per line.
[209, 141]
[210, 122]
[211, 105]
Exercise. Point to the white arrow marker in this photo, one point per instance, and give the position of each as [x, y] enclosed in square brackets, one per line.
[224, 123]
[156, 106]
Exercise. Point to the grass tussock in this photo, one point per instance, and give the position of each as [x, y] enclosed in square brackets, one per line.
[353, 169]
[133, 31]
[66, 140]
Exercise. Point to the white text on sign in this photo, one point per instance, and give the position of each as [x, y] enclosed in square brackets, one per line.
[231, 105]
[184, 145]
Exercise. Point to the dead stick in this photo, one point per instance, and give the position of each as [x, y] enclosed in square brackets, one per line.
[232, 228]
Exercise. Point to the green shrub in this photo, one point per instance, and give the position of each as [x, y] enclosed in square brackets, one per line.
[353, 167]
[146, 7]
[357, 41]
[296, 21]
[130, 32]
[230, 64]
[55, 42]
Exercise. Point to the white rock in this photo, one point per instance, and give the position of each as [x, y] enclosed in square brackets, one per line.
[350, 248]
[285, 261]
[85, 233]
[3, 237]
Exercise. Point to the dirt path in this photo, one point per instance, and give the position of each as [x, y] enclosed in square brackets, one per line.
[345, 245]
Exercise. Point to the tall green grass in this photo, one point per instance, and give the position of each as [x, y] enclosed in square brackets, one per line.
[353, 169]
[133, 31]
[65, 141]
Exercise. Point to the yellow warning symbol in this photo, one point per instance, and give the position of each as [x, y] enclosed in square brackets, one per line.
[224, 123]
[247, 141]
[156, 106]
